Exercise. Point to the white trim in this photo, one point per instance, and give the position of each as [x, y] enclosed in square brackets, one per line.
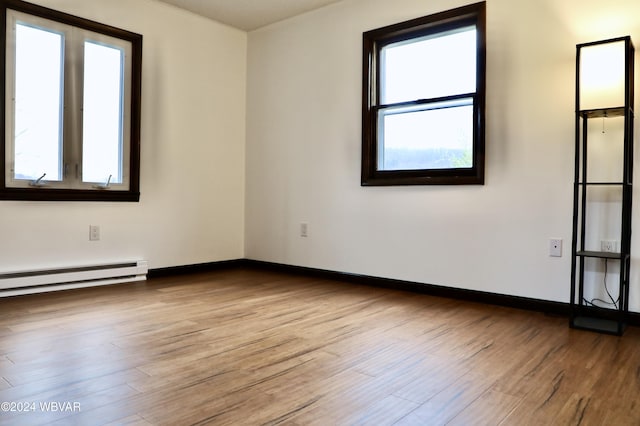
[74, 39]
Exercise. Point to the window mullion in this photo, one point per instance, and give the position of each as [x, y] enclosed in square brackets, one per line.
[73, 77]
[10, 99]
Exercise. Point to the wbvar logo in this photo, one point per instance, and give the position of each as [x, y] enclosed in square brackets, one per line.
[60, 406]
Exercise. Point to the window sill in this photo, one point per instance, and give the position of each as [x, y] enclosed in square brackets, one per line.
[398, 178]
[44, 194]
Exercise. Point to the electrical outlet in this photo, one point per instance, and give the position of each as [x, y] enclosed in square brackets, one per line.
[555, 247]
[304, 229]
[94, 233]
[609, 246]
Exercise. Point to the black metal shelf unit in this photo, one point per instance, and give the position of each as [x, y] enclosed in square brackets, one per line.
[584, 313]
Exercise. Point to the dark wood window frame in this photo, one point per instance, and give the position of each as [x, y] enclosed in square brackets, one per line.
[60, 194]
[373, 42]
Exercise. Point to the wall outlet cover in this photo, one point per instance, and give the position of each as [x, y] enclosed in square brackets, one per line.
[94, 233]
[609, 246]
[555, 247]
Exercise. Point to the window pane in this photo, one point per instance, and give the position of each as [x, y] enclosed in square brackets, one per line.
[102, 114]
[426, 137]
[38, 104]
[425, 68]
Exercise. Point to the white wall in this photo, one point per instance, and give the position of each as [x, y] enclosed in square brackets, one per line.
[191, 208]
[303, 151]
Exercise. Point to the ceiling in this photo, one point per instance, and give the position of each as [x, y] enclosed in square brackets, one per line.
[249, 14]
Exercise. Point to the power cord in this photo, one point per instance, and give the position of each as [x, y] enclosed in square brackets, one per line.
[613, 302]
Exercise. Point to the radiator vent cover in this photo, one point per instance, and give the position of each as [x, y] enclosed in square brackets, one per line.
[41, 280]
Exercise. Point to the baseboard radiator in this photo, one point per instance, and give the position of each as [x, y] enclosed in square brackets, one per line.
[38, 281]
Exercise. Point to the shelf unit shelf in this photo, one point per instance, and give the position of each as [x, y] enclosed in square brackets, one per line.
[602, 255]
[604, 183]
[603, 112]
[601, 325]
[585, 315]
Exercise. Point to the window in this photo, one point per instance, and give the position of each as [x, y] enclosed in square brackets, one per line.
[423, 100]
[72, 108]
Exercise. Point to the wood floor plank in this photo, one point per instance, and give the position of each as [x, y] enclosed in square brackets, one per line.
[4, 384]
[451, 401]
[491, 408]
[425, 386]
[386, 411]
[71, 387]
[245, 346]
[134, 420]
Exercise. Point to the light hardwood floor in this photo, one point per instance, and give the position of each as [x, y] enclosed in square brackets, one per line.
[243, 346]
